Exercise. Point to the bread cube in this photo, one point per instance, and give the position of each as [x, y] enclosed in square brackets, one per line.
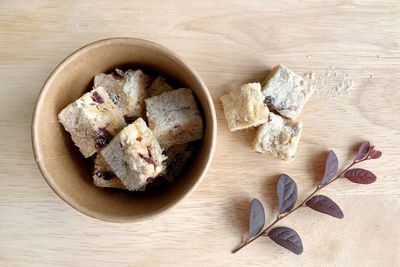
[286, 92]
[103, 176]
[135, 156]
[126, 89]
[178, 155]
[158, 87]
[278, 136]
[92, 121]
[174, 117]
[244, 107]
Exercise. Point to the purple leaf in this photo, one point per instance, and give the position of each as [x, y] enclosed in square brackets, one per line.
[375, 154]
[363, 150]
[286, 190]
[331, 167]
[325, 205]
[257, 218]
[287, 238]
[360, 176]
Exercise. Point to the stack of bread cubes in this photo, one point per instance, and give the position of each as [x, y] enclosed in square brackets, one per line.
[272, 107]
[131, 156]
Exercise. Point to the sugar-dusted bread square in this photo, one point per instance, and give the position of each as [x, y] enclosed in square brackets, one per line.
[286, 92]
[158, 87]
[244, 107]
[92, 120]
[127, 90]
[103, 176]
[278, 136]
[174, 117]
[135, 156]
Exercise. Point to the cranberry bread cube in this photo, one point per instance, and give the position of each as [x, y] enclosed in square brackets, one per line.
[174, 117]
[158, 87]
[245, 107]
[279, 137]
[103, 176]
[286, 92]
[135, 156]
[126, 89]
[92, 121]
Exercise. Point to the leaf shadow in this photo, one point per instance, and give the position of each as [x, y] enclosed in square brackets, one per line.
[240, 212]
[352, 152]
[354, 148]
[271, 198]
[317, 166]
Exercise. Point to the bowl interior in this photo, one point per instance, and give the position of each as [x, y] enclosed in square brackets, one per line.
[66, 170]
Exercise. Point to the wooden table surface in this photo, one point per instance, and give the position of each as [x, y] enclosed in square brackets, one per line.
[228, 43]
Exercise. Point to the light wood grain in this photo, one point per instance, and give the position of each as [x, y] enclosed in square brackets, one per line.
[228, 43]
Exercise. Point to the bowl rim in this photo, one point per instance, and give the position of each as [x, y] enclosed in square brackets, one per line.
[34, 128]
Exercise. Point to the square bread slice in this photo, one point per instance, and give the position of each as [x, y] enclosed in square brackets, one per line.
[135, 156]
[103, 176]
[126, 89]
[92, 120]
[174, 117]
[158, 87]
[286, 92]
[279, 137]
[245, 107]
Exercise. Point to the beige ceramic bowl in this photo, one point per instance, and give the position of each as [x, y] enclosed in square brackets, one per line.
[65, 169]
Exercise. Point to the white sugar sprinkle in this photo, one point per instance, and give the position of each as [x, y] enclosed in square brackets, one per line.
[333, 83]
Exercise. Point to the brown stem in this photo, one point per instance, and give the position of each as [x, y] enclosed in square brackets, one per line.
[302, 204]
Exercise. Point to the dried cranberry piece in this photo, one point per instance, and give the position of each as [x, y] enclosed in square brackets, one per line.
[147, 158]
[97, 98]
[102, 137]
[177, 125]
[106, 175]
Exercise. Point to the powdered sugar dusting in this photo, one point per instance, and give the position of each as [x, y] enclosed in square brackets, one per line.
[332, 84]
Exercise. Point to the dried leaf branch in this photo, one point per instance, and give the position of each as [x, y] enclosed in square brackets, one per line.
[287, 198]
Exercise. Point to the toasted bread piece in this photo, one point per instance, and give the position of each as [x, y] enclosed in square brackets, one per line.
[279, 137]
[135, 156]
[158, 87]
[286, 92]
[103, 175]
[92, 120]
[127, 90]
[244, 107]
[174, 117]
